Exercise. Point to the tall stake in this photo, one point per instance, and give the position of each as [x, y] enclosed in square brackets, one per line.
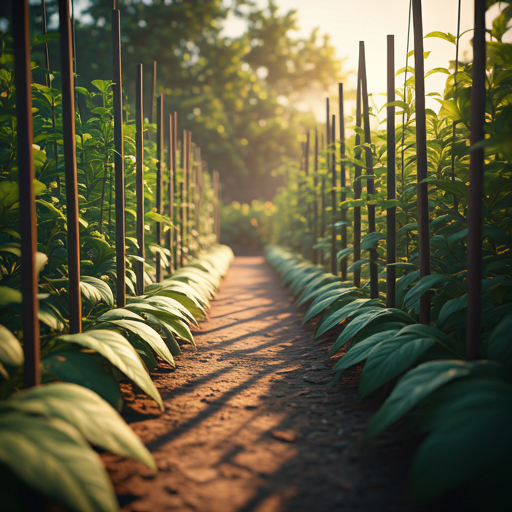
[476, 185]
[175, 188]
[117, 90]
[189, 189]
[334, 210]
[357, 181]
[391, 179]
[28, 219]
[46, 52]
[343, 183]
[139, 178]
[70, 171]
[159, 171]
[153, 94]
[171, 192]
[183, 189]
[216, 204]
[307, 248]
[421, 158]
[370, 184]
[315, 201]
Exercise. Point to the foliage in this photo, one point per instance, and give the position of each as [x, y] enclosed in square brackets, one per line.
[247, 225]
[461, 407]
[47, 432]
[236, 94]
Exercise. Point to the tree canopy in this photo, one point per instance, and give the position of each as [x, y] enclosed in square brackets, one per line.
[236, 95]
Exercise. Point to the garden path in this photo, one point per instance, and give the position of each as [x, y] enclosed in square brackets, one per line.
[251, 423]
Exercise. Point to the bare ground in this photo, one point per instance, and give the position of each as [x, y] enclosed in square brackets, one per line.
[251, 423]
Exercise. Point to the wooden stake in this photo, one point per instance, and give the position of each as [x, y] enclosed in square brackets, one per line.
[139, 178]
[68, 125]
[171, 192]
[117, 90]
[159, 176]
[476, 185]
[334, 209]
[421, 158]
[343, 183]
[26, 176]
[357, 182]
[315, 201]
[391, 178]
[175, 188]
[370, 185]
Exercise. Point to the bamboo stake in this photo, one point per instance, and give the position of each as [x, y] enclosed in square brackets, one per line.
[476, 185]
[357, 181]
[139, 179]
[343, 183]
[70, 170]
[26, 176]
[334, 266]
[370, 184]
[421, 158]
[391, 178]
[159, 176]
[117, 90]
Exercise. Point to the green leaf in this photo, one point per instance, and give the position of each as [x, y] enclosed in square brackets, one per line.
[52, 458]
[177, 326]
[11, 352]
[120, 353]
[474, 414]
[442, 35]
[94, 418]
[389, 359]
[44, 38]
[84, 369]
[359, 351]
[9, 296]
[95, 291]
[412, 388]
[371, 239]
[330, 297]
[454, 187]
[366, 319]
[357, 265]
[344, 253]
[343, 313]
[437, 70]
[424, 285]
[499, 344]
[148, 334]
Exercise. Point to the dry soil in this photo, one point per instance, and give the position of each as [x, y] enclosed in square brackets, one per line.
[251, 423]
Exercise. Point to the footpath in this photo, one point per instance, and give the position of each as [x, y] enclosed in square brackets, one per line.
[251, 423]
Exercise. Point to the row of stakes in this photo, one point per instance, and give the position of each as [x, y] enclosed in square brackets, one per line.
[28, 223]
[192, 180]
[339, 216]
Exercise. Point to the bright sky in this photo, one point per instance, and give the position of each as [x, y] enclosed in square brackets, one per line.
[351, 21]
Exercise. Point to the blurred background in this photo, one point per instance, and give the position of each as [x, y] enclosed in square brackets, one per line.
[248, 78]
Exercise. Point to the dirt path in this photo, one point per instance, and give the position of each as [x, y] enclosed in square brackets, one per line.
[250, 422]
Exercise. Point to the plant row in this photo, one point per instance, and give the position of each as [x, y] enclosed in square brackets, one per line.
[461, 409]
[78, 345]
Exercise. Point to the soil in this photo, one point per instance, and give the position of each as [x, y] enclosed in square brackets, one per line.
[251, 423]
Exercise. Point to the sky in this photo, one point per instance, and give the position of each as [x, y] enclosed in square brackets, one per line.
[350, 21]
